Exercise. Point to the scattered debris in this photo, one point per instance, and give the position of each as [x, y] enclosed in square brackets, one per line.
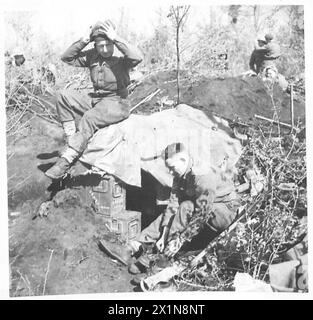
[243, 282]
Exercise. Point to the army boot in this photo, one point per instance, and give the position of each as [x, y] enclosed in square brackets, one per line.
[59, 169]
[116, 251]
[140, 266]
[63, 164]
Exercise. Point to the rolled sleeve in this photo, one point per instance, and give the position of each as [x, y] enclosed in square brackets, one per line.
[74, 55]
[252, 62]
[132, 56]
[205, 186]
[173, 205]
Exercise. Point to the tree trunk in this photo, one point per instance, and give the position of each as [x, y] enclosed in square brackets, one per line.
[178, 63]
[256, 16]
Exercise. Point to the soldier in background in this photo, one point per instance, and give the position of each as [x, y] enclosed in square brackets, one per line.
[15, 59]
[265, 54]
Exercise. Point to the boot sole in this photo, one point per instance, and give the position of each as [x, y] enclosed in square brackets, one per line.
[54, 177]
[112, 254]
[137, 270]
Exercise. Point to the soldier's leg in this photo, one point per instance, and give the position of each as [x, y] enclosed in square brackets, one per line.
[153, 233]
[222, 215]
[100, 113]
[70, 103]
[70, 106]
[105, 112]
[180, 221]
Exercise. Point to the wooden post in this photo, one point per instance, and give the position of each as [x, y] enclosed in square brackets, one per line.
[286, 125]
[149, 97]
[291, 107]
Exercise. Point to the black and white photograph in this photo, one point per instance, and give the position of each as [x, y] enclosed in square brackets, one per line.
[154, 147]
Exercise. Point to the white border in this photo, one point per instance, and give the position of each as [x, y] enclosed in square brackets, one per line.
[40, 4]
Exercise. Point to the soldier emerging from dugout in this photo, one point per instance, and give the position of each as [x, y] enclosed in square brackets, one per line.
[201, 199]
[104, 106]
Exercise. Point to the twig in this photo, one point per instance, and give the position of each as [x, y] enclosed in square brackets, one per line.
[26, 281]
[47, 271]
[291, 108]
[273, 121]
[21, 182]
[22, 126]
[149, 97]
[11, 177]
[50, 119]
[272, 256]
[37, 100]
[196, 285]
[43, 117]
[21, 115]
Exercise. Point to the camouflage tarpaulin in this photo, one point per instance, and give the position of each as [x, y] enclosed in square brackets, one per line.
[137, 143]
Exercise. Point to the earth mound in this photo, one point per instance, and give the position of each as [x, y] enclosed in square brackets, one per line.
[231, 98]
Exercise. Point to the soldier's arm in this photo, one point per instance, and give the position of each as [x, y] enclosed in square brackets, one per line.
[173, 204]
[273, 51]
[206, 187]
[132, 56]
[252, 61]
[75, 56]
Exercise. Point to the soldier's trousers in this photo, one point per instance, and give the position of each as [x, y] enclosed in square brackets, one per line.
[94, 113]
[223, 215]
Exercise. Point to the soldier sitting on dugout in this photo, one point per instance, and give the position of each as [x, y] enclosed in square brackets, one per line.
[107, 104]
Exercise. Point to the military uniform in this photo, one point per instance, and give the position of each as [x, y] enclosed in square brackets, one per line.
[258, 61]
[107, 104]
[264, 57]
[187, 191]
[186, 196]
[273, 50]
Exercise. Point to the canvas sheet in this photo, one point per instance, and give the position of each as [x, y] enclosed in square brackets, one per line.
[138, 142]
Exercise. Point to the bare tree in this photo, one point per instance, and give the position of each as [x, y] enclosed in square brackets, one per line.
[178, 16]
[256, 18]
[123, 23]
[263, 15]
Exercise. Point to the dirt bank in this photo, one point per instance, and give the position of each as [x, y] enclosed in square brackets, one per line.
[59, 254]
[229, 97]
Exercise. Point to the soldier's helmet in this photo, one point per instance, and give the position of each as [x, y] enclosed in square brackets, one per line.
[269, 37]
[173, 149]
[97, 32]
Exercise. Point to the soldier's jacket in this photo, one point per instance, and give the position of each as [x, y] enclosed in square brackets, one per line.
[263, 57]
[273, 50]
[256, 58]
[108, 75]
[259, 60]
[195, 185]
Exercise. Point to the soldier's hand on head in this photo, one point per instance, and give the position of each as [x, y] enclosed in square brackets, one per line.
[87, 34]
[109, 29]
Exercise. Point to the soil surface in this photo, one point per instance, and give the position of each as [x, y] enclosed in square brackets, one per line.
[59, 254]
[232, 98]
